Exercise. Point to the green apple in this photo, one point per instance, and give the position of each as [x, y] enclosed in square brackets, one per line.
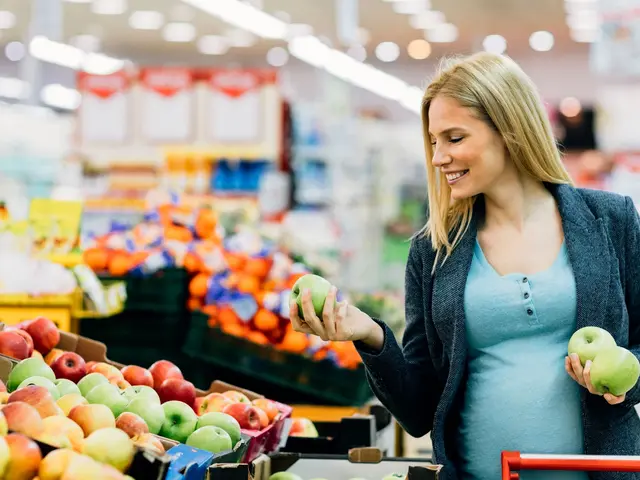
[142, 391]
[111, 446]
[179, 421]
[109, 395]
[150, 411]
[211, 439]
[29, 367]
[588, 341]
[65, 387]
[615, 370]
[319, 288]
[89, 382]
[285, 476]
[223, 421]
[42, 382]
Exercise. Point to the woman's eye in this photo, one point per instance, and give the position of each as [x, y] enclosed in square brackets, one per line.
[433, 143]
[456, 140]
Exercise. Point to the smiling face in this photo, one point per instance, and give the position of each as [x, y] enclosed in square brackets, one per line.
[470, 153]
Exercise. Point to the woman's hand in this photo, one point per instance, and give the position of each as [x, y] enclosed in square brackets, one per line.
[582, 375]
[340, 321]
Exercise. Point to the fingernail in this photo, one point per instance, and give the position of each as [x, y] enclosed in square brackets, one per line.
[587, 364]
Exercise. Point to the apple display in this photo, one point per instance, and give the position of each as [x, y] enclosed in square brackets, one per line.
[22, 417]
[588, 341]
[92, 417]
[55, 463]
[142, 391]
[223, 421]
[214, 402]
[236, 397]
[38, 397]
[211, 439]
[25, 457]
[27, 338]
[163, 370]
[615, 370]
[136, 375]
[180, 421]
[30, 367]
[70, 400]
[151, 412]
[150, 442]
[109, 395]
[319, 288]
[45, 334]
[91, 381]
[50, 357]
[107, 370]
[66, 387]
[13, 345]
[64, 426]
[177, 389]
[246, 415]
[111, 446]
[268, 406]
[132, 424]
[5, 456]
[41, 382]
[69, 365]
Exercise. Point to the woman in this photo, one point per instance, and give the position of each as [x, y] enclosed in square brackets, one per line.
[512, 260]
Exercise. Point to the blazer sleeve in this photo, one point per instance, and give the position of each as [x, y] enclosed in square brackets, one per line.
[632, 283]
[404, 378]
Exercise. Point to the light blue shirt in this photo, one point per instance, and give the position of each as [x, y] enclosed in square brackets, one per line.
[518, 395]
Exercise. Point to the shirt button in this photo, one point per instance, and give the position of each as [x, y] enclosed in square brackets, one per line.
[529, 311]
[526, 294]
[525, 280]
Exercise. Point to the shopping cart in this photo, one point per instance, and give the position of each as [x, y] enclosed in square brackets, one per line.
[513, 462]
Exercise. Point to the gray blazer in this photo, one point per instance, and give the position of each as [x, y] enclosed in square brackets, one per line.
[422, 382]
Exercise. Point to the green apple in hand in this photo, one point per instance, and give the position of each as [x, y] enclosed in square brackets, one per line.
[319, 288]
[223, 421]
[89, 382]
[179, 421]
[150, 411]
[42, 382]
[212, 439]
[588, 341]
[615, 370]
[110, 396]
[142, 391]
[29, 367]
[65, 387]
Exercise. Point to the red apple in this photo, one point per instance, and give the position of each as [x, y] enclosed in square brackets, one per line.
[25, 457]
[22, 417]
[136, 375]
[13, 345]
[51, 357]
[149, 442]
[177, 389]
[214, 402]
[246, 415]
[90, 366]
[45, 334]
[69, 365]
[24, 335]
[38, 397]
[236, 397]
[163, 370]
[132, 424]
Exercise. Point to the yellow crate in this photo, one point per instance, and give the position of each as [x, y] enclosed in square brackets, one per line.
[59, 308]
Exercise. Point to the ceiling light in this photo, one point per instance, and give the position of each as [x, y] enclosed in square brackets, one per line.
[412, 99]
[387, 52]
[179, 32]
[146, 20]
[443, 33]
[14, 88]
[571, 8]
[419, 49]
[283, 16]
[213, 45]
[427, 20]
[585, 35]
[299, 30]
[411, 7]
[494, 44]
[277, 57]
[570, 107]
[58, 96]
[15, 51]
[240, 38]
[584, 19]
[243, 16]
[541, 41]
[7, 20]
[357, 52]
[86, 43]
[109, 7]
[71, 57]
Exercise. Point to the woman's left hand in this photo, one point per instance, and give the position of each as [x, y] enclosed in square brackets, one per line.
[582, 375]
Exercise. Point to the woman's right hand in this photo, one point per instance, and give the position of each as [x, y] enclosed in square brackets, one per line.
[341, 322]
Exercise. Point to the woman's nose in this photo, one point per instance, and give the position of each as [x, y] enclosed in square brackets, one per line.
[440, 158]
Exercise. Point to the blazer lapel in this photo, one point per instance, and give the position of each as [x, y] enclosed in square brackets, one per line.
[589, 254]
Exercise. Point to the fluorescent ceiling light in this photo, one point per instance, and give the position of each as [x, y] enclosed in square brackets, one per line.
[14, 88]
[585, 36]
[146, 20]
[213, 45]
[58, 96]
[243, 16]
[179, 32]
[109, 7]
[71, 57]
[427, 20]
[411, 7]
[86, 43]
[444, 33]
[240, 38]
[583, 20]
[7, 20]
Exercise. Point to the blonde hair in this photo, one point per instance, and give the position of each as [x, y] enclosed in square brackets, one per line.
[498, 92]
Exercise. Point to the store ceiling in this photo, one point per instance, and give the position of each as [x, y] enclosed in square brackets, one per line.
[513, 19]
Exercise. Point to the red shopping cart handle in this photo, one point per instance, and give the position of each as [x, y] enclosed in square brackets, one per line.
[512, 462]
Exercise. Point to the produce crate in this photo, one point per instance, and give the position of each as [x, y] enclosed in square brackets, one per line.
[16, 308]
[166, 291]
[322, 379]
